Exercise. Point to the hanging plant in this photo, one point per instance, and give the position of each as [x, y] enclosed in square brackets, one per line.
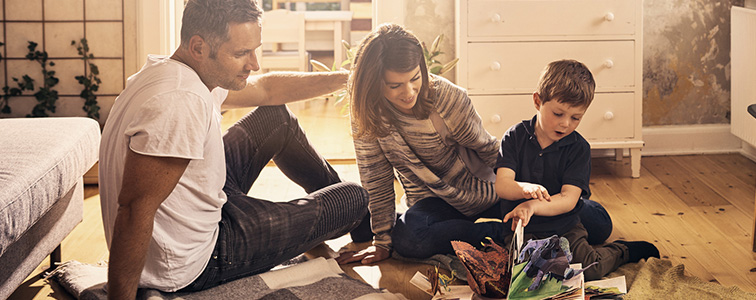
[25, 84]
[9, 92]
[46, 96]
[90, 80]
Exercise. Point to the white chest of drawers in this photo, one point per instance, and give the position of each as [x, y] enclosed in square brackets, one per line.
[503, 45]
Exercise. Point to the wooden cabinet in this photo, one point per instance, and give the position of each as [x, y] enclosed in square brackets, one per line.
[503, 45]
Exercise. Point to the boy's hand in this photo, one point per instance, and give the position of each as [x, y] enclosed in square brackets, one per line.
[535, 191]
[522, 212]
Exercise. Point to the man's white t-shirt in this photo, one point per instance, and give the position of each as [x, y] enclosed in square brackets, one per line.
[167, 111]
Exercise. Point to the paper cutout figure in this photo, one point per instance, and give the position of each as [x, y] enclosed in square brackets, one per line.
[488, 271]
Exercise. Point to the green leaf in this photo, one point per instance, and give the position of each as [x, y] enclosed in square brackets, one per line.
[448, 66]
[51, 81]
[335, 66]
[318, 66]
[437, 42]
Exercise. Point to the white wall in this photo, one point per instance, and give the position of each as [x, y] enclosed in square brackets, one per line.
[158, 25]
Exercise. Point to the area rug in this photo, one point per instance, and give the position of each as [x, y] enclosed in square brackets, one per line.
[659, 279]
[318, 278]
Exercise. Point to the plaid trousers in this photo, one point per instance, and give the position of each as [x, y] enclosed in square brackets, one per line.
[256, 234]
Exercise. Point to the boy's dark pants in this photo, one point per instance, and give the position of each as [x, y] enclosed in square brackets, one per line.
[609, 257]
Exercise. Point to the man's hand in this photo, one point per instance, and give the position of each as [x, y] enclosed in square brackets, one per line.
[369, 255]
[534, 191]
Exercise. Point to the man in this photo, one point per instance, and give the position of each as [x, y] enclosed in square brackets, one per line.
[173, 189]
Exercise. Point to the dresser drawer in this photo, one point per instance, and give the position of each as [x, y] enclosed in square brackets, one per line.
[512, 67]
[610, 116]
[499, 112]
[517, 18]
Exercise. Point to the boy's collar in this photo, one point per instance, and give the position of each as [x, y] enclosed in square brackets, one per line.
[567, 140]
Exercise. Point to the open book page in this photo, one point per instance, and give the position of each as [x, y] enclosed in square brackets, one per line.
[606, 287]
[517, 241]
[491, 271]
[551, 288]
[462, 292]
[616, 282]
[575, 287]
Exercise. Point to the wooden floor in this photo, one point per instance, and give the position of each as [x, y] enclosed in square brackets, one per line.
[698, 210]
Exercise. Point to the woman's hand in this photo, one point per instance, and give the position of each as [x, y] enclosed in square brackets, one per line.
[369, 255]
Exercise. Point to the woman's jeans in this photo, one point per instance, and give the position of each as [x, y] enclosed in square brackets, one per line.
[256, 234]
[428, 227]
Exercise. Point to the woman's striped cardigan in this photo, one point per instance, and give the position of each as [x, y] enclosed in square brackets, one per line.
[427, 164]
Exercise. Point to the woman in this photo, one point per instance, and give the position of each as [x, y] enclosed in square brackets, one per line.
[424, 129]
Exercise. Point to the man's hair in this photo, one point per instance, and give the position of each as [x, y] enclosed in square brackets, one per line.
[209, 19]
[568, 81]
[387, 47]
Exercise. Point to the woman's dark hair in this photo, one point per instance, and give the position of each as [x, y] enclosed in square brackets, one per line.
[388, 47]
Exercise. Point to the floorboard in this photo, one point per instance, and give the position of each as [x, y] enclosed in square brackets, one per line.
[697, 209]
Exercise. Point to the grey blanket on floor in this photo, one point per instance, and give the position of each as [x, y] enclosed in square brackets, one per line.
[659, 279]
[319, 278]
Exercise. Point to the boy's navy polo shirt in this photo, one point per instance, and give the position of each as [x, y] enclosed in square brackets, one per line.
[567, 161]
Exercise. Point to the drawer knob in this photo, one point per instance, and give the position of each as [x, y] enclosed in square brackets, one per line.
[496, 18]
[495, 119]
[608, 115]
[608, 64]
[495, 66]
[609, 17]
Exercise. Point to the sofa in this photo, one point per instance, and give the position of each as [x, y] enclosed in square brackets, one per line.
[42, 162]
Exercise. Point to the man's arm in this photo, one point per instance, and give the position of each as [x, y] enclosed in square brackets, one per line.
[283, 87]
[147, 182]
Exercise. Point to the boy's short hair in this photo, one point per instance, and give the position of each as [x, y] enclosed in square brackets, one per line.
[569, 81]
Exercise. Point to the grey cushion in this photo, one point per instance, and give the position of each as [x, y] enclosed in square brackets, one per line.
[42, 159]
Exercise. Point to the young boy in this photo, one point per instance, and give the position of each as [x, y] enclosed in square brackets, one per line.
[544, 168]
